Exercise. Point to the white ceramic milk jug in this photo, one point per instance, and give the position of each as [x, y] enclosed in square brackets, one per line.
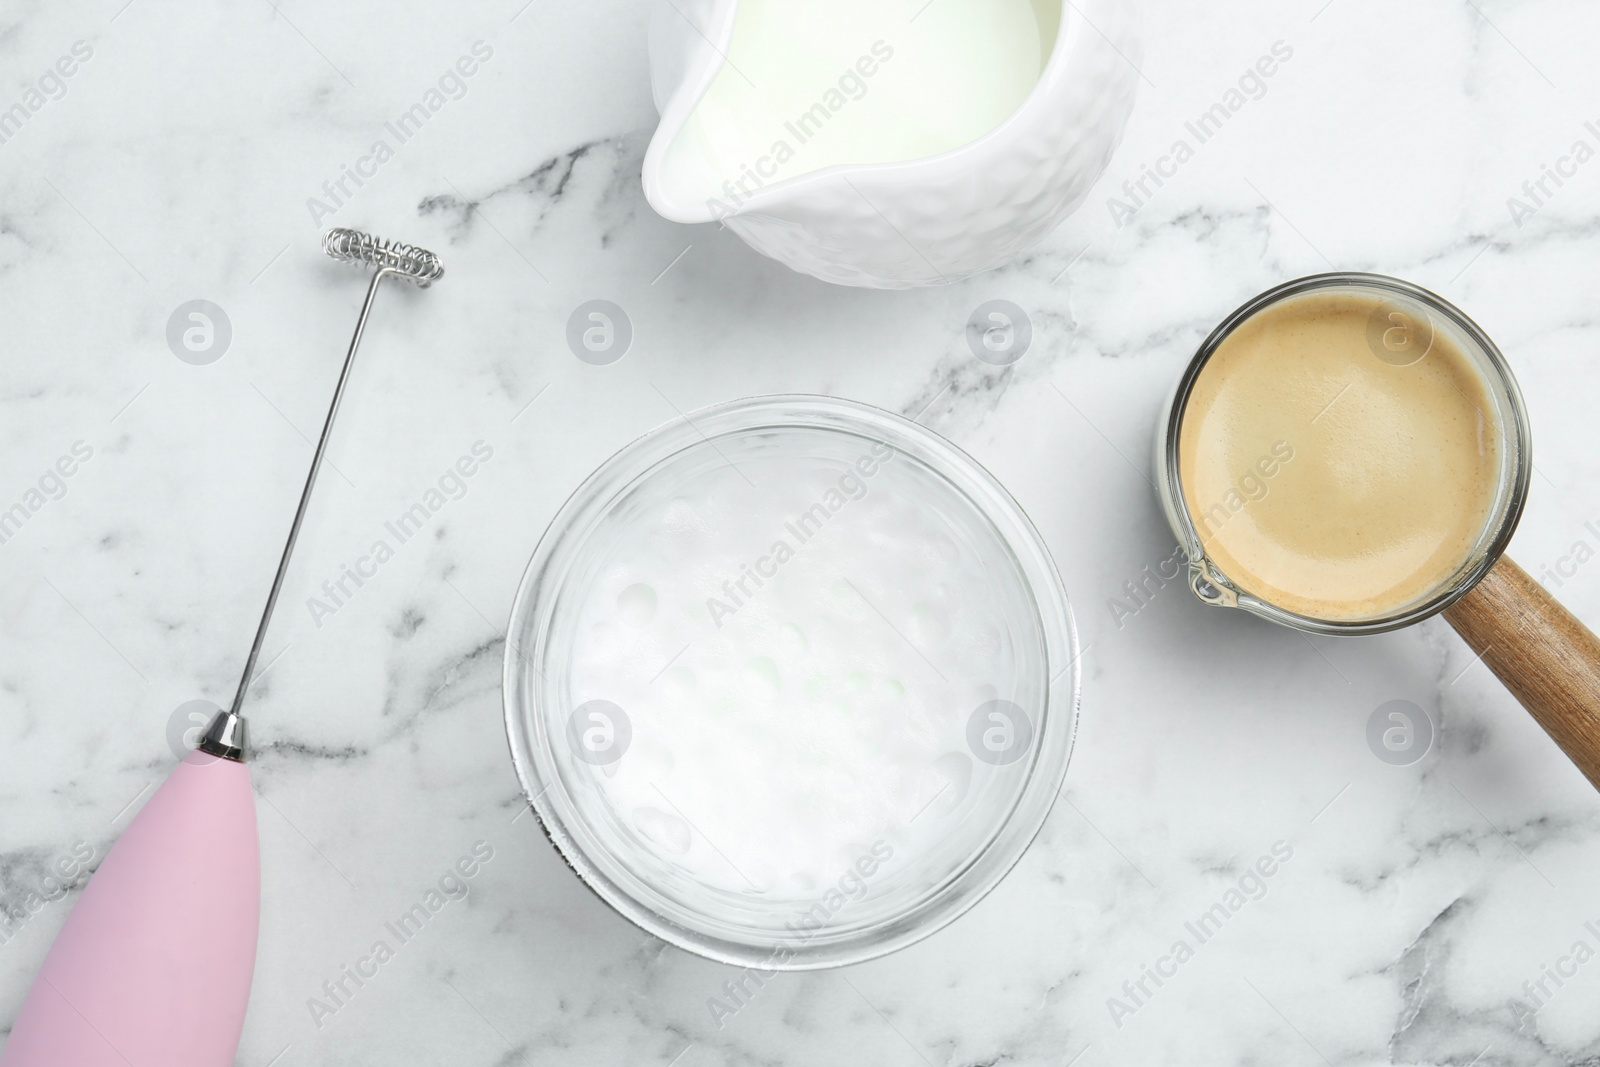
[886, 143]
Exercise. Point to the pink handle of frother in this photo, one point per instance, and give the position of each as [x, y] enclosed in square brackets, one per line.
[154, 964]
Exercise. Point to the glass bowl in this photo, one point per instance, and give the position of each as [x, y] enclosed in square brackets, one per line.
[849, 797]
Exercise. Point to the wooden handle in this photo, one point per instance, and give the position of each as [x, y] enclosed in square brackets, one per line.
[1547, 658]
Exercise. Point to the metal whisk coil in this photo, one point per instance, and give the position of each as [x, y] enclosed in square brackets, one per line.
[415, 264]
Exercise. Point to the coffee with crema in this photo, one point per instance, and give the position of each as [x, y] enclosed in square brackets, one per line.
[1339, 456]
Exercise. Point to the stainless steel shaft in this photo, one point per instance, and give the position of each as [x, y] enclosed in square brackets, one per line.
[416, 265]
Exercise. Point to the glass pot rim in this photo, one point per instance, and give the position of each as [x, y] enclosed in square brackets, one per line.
[1213, 587]
[561, 546]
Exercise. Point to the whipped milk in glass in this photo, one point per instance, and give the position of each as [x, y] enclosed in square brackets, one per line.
[798, 643]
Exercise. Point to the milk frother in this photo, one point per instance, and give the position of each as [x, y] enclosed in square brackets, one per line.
[153, 966]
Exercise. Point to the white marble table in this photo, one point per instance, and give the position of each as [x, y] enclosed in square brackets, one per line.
[177, 164]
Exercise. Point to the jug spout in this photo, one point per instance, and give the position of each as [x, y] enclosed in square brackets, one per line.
[682, 185]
